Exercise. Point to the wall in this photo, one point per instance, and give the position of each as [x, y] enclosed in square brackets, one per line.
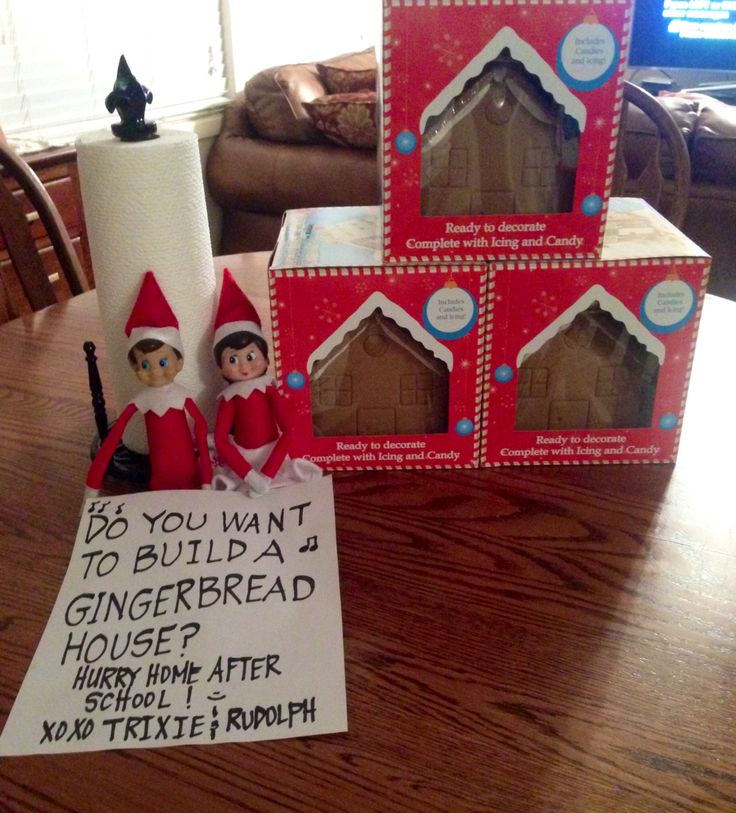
[282, 31]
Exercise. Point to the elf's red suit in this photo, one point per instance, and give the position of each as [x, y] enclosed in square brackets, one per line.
[252, 432]
[172, 450]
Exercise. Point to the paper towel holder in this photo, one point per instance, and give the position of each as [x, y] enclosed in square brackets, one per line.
[129, 98]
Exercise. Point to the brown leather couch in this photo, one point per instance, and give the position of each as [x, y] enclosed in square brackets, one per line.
[270, 156]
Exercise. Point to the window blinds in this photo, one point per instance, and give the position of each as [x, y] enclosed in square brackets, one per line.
[58, 60]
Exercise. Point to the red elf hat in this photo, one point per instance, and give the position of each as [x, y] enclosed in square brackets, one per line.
[235, 312]
[152, 317]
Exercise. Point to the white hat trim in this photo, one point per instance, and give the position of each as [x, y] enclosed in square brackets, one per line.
[167, 335]
[235, 327]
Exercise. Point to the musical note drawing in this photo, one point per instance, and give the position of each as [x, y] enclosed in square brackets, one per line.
[309, 546]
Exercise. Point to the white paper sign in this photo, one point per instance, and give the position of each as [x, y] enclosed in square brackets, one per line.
[190, 617]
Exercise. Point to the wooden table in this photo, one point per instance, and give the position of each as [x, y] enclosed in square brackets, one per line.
[526, 639]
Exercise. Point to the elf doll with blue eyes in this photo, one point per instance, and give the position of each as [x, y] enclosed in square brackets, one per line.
[178, 454]
[252, 431]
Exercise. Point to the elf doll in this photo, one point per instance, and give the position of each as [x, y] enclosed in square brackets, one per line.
[252, 431]
[179, 457]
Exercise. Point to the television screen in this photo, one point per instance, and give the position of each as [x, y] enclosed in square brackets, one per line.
[698, 34]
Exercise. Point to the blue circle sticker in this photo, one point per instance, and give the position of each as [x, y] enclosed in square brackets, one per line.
[406, 142]
[295, 380]
[668, 421]
[588, 55]
[503, 374]
[668, 306]
[450, 312]
[591, 205]
[464, 426]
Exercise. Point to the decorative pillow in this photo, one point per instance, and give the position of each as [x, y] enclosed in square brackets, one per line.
[358, 61]
[347, 119]
[275, 97]
[345, 80]
[275, 100]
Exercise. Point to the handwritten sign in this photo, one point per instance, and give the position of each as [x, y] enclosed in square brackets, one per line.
[190, 617]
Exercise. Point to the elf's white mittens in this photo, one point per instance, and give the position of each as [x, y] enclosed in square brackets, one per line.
[255, 484]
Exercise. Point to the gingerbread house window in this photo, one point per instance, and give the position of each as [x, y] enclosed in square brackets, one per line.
[533, 382]
[335, 390]
[416, 389]
[595, 367]
[496, 140]
[380, 374]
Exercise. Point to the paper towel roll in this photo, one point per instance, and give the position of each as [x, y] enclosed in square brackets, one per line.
[144, 208]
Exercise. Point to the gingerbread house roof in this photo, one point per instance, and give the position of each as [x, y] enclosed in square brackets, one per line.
[608, 303]
[391, 310]
[524, 53]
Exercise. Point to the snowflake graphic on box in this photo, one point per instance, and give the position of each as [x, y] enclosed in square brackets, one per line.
[545, 305]
[328, 312]
[302, 408]
[449, 52]
[503, 398]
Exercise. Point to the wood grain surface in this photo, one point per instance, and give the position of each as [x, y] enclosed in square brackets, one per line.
[525, 639]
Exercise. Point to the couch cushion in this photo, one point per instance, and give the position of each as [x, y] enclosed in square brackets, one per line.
[714, 144]
[275, 100]
[347, 119]
[685, 113]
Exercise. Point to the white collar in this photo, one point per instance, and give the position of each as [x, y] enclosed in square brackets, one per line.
[161, 399]
[245, 388]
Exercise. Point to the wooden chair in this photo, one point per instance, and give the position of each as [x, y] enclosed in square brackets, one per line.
[654, 163]
[25, 274]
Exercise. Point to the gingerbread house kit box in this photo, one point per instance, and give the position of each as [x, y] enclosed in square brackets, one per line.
[588, 361]
[382, 365]
[500, 121]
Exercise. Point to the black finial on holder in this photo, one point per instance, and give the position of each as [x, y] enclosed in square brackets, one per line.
[126, 464]
[95, 389]
[130, 98]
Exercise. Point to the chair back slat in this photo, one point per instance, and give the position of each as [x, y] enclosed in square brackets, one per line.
[30, 276]
[667, 190]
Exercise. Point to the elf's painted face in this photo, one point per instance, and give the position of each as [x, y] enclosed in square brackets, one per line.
[244, 364]
[159, 367]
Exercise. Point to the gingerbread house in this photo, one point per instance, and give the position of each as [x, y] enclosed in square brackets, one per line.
[594, 367]
[380, 373]
[501, 139]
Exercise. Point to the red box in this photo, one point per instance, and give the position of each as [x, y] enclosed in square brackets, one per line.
[589, 361]
[382, 365]
[500, 121]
